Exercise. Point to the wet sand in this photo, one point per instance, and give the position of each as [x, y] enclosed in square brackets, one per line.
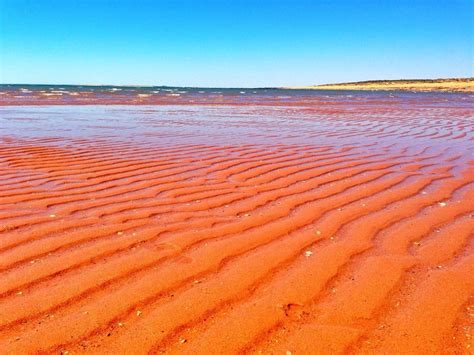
[323, 225]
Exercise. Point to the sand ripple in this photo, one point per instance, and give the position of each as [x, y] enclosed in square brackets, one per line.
[299, 229]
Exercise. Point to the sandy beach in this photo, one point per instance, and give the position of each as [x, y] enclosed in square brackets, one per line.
[443, 85]
[230, 224]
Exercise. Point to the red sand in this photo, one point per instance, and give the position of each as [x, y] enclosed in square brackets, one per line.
[314, 231]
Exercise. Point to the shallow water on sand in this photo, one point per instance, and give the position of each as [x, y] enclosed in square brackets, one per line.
[202, 221]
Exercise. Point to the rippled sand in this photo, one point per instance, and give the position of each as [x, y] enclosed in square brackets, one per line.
[327, 224]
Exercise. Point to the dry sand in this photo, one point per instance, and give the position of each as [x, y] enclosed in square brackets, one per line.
[286, 230]
[449, 85]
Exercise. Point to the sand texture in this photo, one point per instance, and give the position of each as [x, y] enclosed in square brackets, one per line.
[339, 224]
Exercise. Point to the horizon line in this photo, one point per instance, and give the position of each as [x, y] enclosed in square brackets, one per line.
[240, 87]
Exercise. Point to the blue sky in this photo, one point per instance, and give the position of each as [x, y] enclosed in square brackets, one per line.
[224, 43]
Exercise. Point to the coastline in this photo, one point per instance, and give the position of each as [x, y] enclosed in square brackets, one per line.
[419, 85]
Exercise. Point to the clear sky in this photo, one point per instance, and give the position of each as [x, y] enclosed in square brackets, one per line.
[225, 43]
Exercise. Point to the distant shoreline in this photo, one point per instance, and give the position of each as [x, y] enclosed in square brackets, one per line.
[418, 85]
[426, 85]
